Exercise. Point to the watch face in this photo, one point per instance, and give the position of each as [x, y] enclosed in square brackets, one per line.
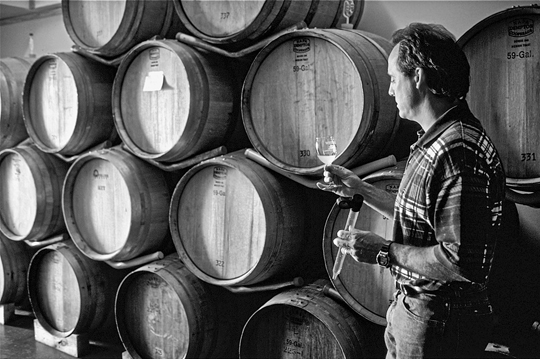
[382, 259]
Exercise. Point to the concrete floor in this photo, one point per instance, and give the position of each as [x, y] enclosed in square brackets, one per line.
[17, 341]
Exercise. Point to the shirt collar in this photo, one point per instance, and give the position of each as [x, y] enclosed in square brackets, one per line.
[440, 125]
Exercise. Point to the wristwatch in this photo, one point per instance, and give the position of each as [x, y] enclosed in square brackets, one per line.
[383, 257]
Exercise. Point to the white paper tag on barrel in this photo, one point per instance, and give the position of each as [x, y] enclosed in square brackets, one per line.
[153, 81]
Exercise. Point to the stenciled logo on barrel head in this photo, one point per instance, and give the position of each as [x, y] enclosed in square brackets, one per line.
[53, 65]
[98, 175]
[154, 53]
[220, 173]
[392, 188]
[295, 316]
[521, 27]
[56, 257]
[17, 167]
[301, 45]
[154, 282]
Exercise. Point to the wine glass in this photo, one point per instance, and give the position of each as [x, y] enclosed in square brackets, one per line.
[326, 149]
[326, 152]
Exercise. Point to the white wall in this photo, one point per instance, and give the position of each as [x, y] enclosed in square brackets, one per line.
[50, 36]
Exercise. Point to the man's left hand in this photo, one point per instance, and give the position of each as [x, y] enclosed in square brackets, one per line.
[363, 246]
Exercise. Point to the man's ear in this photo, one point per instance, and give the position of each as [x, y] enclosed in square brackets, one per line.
[420, 77]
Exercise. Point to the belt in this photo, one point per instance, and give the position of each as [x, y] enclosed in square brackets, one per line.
[449, 290]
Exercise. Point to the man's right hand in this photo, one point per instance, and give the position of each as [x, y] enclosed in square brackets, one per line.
[349, 184]
[341, 181]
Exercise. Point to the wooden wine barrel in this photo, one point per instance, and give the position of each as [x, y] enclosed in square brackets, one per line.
[14, 262]
[233, 222]
[313, 83]
[67, 103]
[31, 191]
[241, 23]
[71, 293]
[303, 323]
[504, 54]
[111, 28]
[368, 289]
[115, 205]
[172, 101]
[13, 71]
[164, 311]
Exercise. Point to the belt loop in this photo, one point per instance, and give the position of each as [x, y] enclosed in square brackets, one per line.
[405, 289]
[448, 307]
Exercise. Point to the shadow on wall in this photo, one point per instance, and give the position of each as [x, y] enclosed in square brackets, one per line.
[513, 283]
[383, 17]
[376, 19]
[529, 219]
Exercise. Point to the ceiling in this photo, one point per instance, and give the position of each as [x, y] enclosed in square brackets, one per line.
[7, 11]
[19, 10]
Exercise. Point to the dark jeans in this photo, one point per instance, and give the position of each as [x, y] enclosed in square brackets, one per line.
[426, 325]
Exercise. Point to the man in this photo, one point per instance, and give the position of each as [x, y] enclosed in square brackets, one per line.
[447, 211]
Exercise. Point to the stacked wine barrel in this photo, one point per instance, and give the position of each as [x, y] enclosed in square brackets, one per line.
[134, 144]
[12, 76]
[505, 86]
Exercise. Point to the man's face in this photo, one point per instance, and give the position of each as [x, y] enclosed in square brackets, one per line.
[402, 88]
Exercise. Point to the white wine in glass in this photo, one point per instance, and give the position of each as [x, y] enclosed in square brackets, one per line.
[326, 149]
[327, 153]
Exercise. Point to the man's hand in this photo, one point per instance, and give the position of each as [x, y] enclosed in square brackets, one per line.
[348, 184]
[340, 180]
[363, 246]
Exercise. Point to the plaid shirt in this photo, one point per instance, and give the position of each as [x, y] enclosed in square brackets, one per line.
[449, 201]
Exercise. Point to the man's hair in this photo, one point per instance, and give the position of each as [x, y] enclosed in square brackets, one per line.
[433, 48]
